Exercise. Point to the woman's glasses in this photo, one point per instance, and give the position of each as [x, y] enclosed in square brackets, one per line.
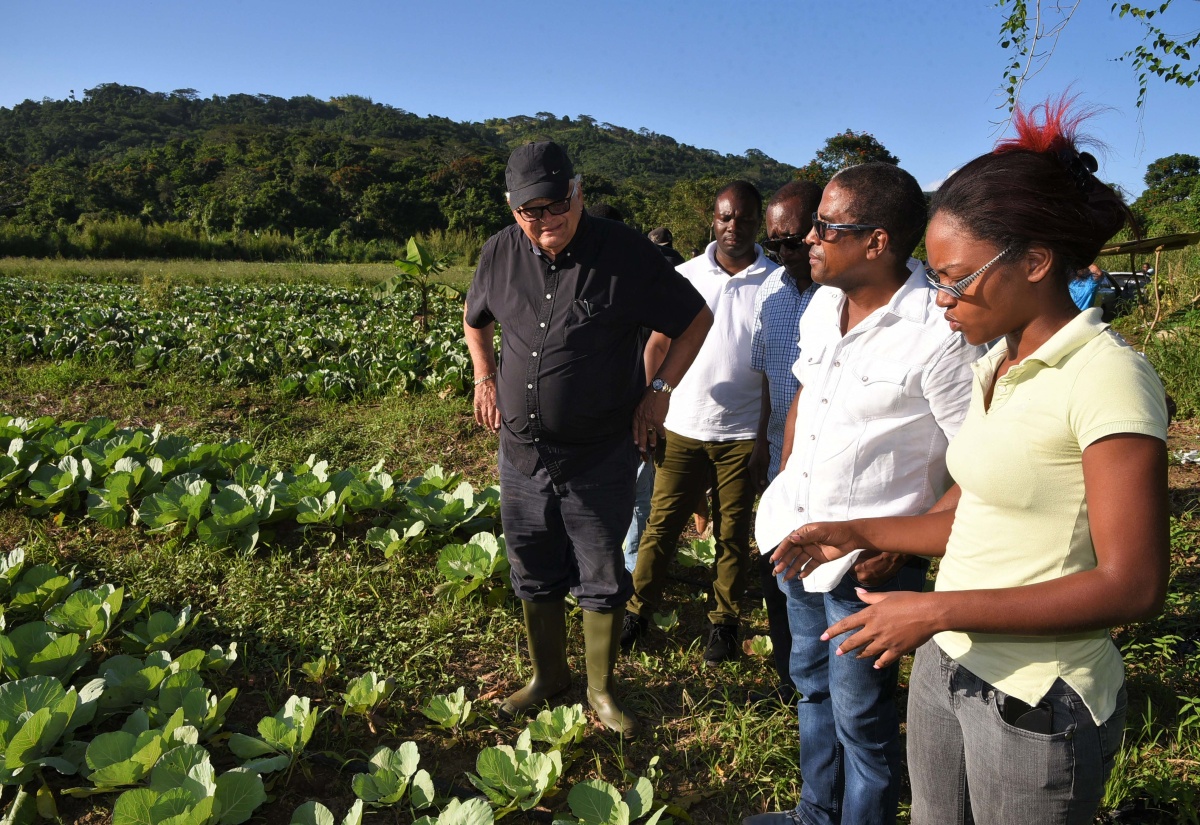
[960, 286]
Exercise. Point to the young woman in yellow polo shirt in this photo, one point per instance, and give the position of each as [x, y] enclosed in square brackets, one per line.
[1057, 528]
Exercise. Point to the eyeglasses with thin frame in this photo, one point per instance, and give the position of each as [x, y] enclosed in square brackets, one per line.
[792, 243]
[534, 213]
[823, 228]
[959, 287]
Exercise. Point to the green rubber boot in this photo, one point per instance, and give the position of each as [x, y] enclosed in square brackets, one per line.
[546, 627]
[602, 638]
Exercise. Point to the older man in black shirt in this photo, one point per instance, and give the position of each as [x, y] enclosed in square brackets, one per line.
[571, 293]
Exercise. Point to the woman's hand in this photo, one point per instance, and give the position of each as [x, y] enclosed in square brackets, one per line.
[813, 544]
[891, 625]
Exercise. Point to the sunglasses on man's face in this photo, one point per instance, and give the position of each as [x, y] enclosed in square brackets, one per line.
[823, 228]
[534, 213]
[792, 243]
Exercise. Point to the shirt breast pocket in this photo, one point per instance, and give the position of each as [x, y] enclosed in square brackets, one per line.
[585, 325]
[807, 368]
[878, 388]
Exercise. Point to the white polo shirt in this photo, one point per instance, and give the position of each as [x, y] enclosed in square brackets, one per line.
[720, 396]
[877, 409]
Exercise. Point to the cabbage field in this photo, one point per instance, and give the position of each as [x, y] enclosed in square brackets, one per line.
[312, 340]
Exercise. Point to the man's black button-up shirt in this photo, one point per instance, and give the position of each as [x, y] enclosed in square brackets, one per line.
[571, 369]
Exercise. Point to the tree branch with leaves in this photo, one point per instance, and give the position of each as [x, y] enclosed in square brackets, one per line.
[1031, 30]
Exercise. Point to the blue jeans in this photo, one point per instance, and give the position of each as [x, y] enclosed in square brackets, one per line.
[969, 765]
[643, 489]
[850, 748]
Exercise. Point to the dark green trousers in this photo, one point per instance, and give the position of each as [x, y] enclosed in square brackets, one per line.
[686, 470]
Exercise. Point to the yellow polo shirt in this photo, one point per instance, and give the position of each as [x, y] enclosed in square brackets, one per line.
[1023, 516]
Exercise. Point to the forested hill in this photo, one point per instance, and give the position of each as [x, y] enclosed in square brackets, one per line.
[345, 167]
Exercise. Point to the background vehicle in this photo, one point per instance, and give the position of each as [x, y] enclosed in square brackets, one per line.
[1119, 292]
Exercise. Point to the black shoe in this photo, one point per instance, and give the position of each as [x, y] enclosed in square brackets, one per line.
[722, 644]
[633, 628]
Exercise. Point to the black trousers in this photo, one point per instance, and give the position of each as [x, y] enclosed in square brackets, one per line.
[566, 537]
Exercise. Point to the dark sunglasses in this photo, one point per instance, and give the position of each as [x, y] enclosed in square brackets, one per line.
[792, 243]
[823, 228]
[534, 213]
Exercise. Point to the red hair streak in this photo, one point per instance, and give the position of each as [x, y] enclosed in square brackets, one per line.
[1057, 127]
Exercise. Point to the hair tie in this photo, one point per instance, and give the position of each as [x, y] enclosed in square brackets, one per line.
[1082, 167]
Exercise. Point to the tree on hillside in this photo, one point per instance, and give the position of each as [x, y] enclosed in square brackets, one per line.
[1030, 32]
[1171, 202]
[850, 148]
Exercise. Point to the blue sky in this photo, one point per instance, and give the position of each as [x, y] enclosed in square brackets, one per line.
[780, 77]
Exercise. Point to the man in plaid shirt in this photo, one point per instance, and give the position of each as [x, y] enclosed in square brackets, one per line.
[774, 346]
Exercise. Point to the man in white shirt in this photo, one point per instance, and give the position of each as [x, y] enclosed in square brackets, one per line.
[885, 384]
[711, 426]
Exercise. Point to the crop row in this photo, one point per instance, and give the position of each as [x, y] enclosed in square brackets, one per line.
[315, 340]
[148, 723]
[168, 484]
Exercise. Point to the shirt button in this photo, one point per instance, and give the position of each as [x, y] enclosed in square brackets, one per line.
[812, 438]
[533, 415]
[542, 325]
[553, 268]
[864, 379]
[548, 296]
[805, 475]
[799, 509]
[537, 439]
[534, 354]
[529, 386]
[824, 400]
[837, 363]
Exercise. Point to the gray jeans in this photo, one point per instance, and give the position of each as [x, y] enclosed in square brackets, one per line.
[968, 765]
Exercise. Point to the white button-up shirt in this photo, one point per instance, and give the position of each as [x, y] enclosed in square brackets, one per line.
[877, 409]
[720, 397]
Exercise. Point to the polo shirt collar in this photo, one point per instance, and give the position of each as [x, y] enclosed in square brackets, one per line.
[762, 264]
[1078, 331]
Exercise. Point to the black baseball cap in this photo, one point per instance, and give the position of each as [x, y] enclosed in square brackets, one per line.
[537, 170]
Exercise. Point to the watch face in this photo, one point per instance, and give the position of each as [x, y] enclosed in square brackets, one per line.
[659, 385]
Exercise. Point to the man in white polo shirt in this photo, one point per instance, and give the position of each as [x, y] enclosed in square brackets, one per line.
[885, 383]
[711, 426]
